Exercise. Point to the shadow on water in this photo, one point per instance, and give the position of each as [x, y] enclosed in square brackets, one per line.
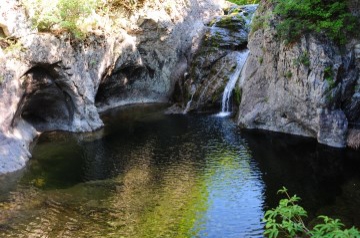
[327, 179]
[147, 174]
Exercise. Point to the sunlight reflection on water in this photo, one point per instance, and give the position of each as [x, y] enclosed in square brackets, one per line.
[152, 175]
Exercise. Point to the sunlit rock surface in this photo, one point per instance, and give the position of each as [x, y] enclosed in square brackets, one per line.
[308, 88]
[54, 82]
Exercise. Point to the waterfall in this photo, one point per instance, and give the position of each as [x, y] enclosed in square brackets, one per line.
[188, 105]
[225, 105]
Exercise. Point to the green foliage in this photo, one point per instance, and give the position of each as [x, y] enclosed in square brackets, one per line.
[213, 40]
[303, 59]
[43, 14]
[244, 2]
[73, 11]
[287, 219]
[333, 228]
[237, 95]
[261, 19]
[261, 60]
[299, 17]
[288, 74]
[231, 22]
[68, 15]
[329, 77]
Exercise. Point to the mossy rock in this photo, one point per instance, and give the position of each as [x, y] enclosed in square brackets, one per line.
[237, 92]
[232, 22]
[226, 39]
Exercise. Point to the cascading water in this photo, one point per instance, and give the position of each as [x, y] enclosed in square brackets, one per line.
[223, 45]
[225, 105]
[188, 105]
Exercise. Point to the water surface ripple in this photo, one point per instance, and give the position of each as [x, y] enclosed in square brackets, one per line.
[147, 174]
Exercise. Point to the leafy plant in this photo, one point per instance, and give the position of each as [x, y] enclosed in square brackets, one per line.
[287, 219]
[260, 21]
[261, 60]
[303, 59]
[288, 74]
[329, 76]
[299, 17]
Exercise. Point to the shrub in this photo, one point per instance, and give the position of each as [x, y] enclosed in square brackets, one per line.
[72, 12]
[287, 219]
[288, 74]
[303, 59]
[76, 16]
[68, 15]
[261, 19]
[329, 17]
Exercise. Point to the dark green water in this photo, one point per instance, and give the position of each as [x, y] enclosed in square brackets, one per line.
[147, 174]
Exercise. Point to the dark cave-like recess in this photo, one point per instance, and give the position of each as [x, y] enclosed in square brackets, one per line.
[45, 104]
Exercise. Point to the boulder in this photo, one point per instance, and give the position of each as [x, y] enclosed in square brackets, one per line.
[305, 88]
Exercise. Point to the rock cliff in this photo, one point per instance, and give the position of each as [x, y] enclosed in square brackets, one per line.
[55, 82]
[215, 61]
[309, 88]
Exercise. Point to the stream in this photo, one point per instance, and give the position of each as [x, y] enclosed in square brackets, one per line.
[147, 174]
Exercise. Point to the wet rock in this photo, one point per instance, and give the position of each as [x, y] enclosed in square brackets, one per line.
[216, 59]
[227, 39]
[357, 51]
[353, 138]
[174, 109]
[354, 7]
[333, 127]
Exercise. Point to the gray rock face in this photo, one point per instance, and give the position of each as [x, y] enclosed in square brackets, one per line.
[52, 82]
[13, 20]
[216, 59]
[333, 127]
[354, 6]
[307, 88]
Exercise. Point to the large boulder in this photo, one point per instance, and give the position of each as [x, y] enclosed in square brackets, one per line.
[306, 88]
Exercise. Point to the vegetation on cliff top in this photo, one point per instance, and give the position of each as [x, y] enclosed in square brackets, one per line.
[77, 16]
[330, 17]
[82, 16]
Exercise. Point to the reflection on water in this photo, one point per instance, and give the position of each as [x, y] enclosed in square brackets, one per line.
[152, 175]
